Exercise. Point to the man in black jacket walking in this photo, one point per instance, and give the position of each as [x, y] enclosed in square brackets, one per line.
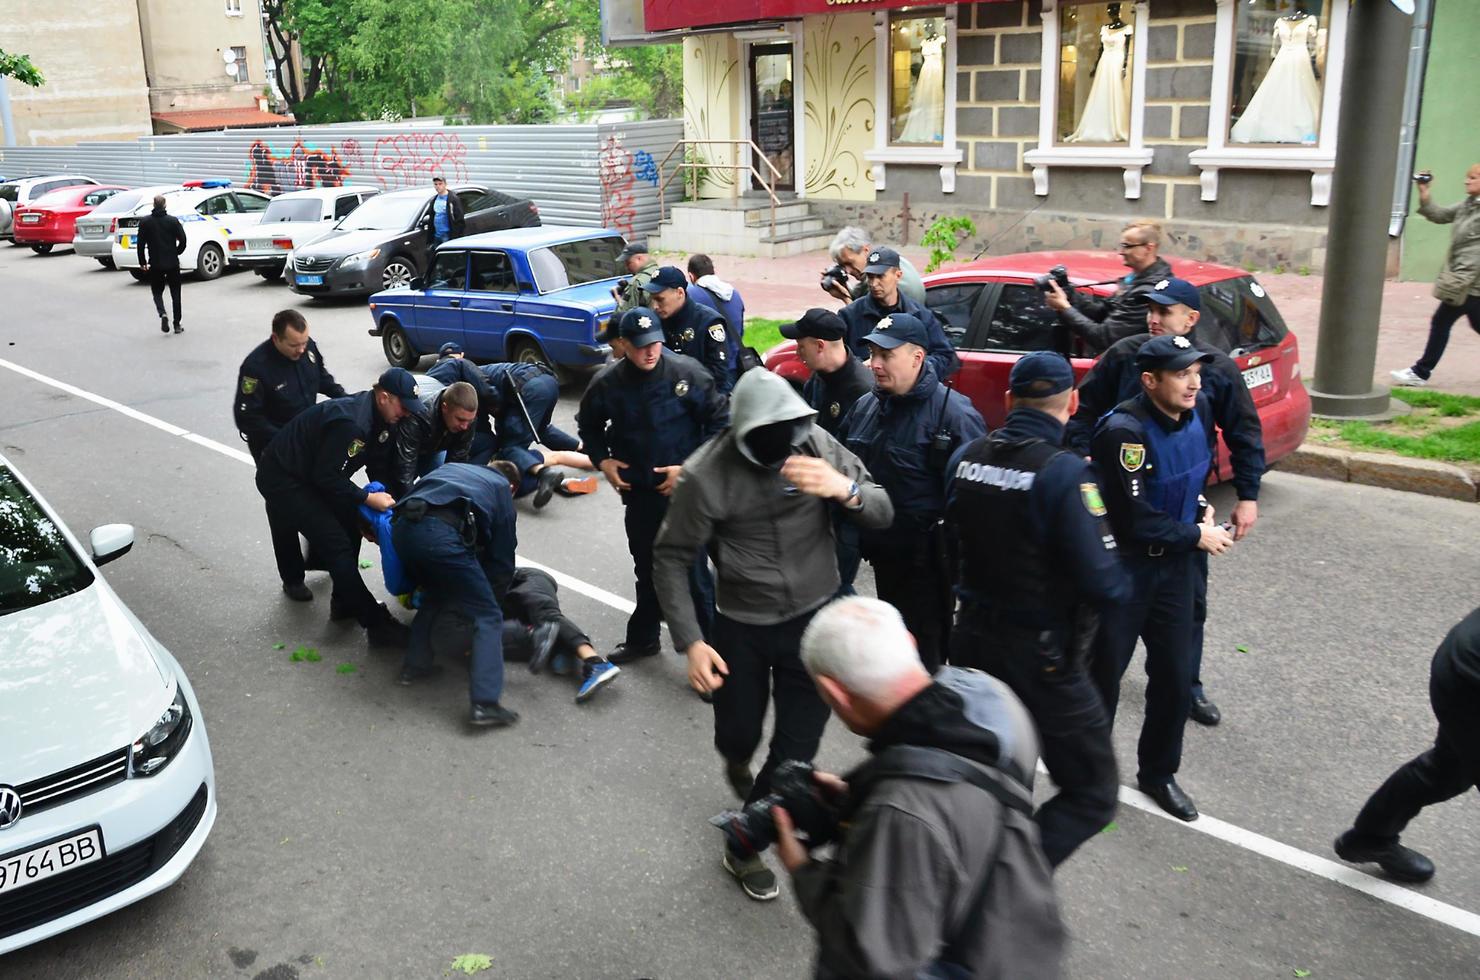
[161, 243]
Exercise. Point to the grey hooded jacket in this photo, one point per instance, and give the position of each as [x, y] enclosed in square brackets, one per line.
[773, 547]
[1460, 277]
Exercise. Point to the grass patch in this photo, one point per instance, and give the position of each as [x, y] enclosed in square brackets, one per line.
[762, 333]
[1442, 426]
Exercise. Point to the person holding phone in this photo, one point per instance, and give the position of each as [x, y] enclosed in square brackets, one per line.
[1457, 287]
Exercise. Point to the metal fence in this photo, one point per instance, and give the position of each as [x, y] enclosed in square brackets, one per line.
[578, 174]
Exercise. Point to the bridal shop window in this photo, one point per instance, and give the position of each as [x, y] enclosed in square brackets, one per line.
[1278, 70]
[917, 80]
[1095, 72]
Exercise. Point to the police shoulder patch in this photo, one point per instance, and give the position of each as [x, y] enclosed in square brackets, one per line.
[1132, 456]
[681, 388]
[717, 333]
[249, 385]
[355, 446]
[1093, 502]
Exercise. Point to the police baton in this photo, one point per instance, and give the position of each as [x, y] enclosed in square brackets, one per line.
[524, 410]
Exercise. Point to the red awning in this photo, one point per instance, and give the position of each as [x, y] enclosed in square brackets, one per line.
[199, 120]
[672, 15]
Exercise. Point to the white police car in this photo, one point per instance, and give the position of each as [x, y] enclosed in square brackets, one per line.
[209, 210]
[293, 219]
[107, 790]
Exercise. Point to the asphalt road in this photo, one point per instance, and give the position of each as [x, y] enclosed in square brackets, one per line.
[364, 831]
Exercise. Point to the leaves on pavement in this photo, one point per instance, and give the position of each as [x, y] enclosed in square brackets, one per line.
[305, 654]
[471, 963]
[346, 669]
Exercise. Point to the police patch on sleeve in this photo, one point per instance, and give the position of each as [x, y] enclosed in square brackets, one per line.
[1090, 494]
[681, 388]
[1132, 456]
[717, 333]
[355, 447]
[249, 385]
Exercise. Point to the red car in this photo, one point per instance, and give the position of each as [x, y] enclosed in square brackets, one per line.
[51, 220]
[993, 313]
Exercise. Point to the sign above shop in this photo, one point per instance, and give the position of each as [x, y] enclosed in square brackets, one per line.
[672, 15]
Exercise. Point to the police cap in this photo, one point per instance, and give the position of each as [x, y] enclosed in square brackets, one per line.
[881, 260]
[899, 328]
[1040, 374]
[1168, 353]
[668, 277]
[816, 322]
[1170, 292]
[640, 327]
[399, 382]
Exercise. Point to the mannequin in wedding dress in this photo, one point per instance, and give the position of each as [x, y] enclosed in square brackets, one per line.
[1286, 106]
[1107, 111]
[926, 120]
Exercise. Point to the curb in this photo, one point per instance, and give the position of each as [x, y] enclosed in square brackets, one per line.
[1381, 470]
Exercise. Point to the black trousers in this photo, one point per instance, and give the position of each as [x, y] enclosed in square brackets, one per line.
[1199, 616]
[1445, 771]
[532, 599]
[766, 662]
[333, 536]
[1044, 672]
[1440, 326]
[158, 279]
[1160, 613]
[285, 546]
[643, 512]
[920, 588]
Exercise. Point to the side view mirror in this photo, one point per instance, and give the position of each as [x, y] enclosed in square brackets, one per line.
[417, 282]
[110, 541]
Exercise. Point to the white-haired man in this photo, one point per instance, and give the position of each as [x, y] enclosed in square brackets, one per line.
[938, 871]
[849, 249]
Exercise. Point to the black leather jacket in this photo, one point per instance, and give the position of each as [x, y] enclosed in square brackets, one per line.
[418, 436]
[1101, 322]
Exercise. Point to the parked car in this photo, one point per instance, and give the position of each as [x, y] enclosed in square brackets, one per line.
[527, 294]
[210, 210]
[293, 220]
[51, 220]
[24, 190]
[107, 789]
[993, 313]
[94, 235]
[383, 243]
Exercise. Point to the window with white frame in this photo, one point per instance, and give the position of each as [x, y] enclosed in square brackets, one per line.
[915, 94]
[233, 8]
[238, 66]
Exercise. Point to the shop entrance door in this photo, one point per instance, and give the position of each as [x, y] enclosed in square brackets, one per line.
[772, 117]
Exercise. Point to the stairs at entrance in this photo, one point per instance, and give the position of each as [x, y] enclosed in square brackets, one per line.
[742, 226]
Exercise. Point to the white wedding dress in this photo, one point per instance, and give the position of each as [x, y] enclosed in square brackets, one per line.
[1107, 111]
[925, 122]
[1286, 106]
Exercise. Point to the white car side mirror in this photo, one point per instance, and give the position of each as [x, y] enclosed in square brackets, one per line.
[110, 541]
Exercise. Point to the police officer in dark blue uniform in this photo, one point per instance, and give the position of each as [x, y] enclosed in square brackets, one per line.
[691, 328]
[454, 533]
[526, 395]
[1153, 457]
[304, 477]
[1173, 308]
[882, 276]
[1037, 562]
[906, 431]
[639, 419]
[452, 367]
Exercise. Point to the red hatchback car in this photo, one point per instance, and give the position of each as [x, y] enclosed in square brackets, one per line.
[51, 220]
[993, 313]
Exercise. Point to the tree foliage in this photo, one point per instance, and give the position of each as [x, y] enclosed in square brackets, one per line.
[20, 68]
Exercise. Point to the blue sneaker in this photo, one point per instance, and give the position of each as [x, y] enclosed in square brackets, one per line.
[596, 674]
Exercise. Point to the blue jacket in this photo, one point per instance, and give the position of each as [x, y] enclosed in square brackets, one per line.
[698, 331]
[1152, 470]
[487, 495]
[863, 314]
[325, 446]
[397, 582]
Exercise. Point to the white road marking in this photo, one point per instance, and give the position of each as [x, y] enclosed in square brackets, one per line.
[1341, 874]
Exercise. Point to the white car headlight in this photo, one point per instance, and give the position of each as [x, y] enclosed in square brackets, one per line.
[360, 258]
[154, 749]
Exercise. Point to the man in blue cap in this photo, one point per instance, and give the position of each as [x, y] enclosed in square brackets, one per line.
[1153, 457]
[639, 420]
[691, 328]
[882, 276]
[1173, 308]
[906, 431]
[1038, 563]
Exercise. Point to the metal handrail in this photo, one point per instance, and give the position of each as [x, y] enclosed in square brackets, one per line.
[749, 167]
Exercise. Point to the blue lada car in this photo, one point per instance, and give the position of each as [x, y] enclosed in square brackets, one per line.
[525, 294]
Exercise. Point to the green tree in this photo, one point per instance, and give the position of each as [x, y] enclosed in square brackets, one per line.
[20, 68]
[650, 77]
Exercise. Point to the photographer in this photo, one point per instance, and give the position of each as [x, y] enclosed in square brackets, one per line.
[1101, 322]
[1457, 287]
[938, 872]
[849, 249]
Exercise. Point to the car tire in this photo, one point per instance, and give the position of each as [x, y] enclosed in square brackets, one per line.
[107, 264]
[526, 351]
[138, 276]
[397, 347]
[398, 273]
[271, 275]
[43, 249]
[211, 262]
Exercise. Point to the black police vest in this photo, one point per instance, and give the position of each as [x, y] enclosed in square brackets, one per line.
[1003, 564]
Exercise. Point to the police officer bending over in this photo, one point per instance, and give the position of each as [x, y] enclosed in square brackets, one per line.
[1172, 309]
[639, 420]
[444, 425]
[1037, 559]
[304, 478]
[1153, 457]
[906, 431]
[691, 328]
[882, 275]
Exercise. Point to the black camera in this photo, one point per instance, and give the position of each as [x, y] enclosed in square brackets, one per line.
[753, 829]
[1058, 274]
[837, 274]
[1423, 177]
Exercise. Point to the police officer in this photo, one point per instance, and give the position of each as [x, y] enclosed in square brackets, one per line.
[1172, 309]
[454, 534]
[882, 276]
[281, 377]
[526, 395]
[636, 262]
[639, 419]
[452, 367]
[691, 328]
[443, 425]
[906, 431]
[1037, 561]
[1153, 457]
[304, 477]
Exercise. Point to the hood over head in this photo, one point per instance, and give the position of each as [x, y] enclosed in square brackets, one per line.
[722, 290]
[767, 402]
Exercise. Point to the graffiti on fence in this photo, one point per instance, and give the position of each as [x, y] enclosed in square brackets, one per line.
[301, 167]
[645, 167]
[618, 203]
[412, 159]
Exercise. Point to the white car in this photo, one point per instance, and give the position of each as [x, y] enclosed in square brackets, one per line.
[24, 190]
[107, 791]
[291, 220]
[211, 212]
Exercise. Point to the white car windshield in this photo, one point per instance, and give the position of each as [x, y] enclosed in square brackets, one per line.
[384, 214]
[119, 203]
[36, 563]
[296, 209]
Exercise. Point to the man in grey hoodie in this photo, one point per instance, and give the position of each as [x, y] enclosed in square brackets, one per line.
[759, 496]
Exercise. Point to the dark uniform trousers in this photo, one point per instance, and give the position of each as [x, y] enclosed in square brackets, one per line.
[540, 394]
[285, 547]
[1199, 616]
[1043, 669]
[158, 280]
[1159, 612]
[333, 538]
[532, 599]
[916, 580]
[766, 662]
[643, 512]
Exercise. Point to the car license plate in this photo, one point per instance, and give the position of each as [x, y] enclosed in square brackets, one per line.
[30, 219]
[1261, 375]
[39, 863]
[310, 280]
[123, 241]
